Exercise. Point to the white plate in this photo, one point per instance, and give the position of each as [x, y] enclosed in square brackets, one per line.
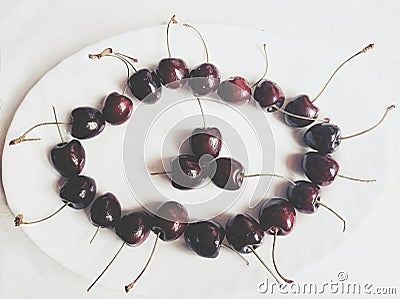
[31, 184]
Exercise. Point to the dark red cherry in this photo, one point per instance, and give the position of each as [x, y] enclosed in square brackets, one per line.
[145, 86]
[78, 191]
[134, 228]
[170, 220]
[105, 210]
[205, 141]
[68, 158]
[205, 238]
[302, 106]
[235, 90]
[268, 94]
[172, 72]
[117, 108]
[324, 137]
[87, 122]
[320, 169]
[277, 214]
[242, 231]
[304, 196]
[186, 172]
[204, 79]
[228, 173]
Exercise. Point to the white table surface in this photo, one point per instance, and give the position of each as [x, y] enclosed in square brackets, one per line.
[36, 35]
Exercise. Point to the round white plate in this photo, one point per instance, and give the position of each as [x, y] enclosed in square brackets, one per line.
[31, 184]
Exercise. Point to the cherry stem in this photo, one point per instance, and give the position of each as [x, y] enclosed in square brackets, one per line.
[19, 218]
[202, 39]
[266, 66]
[270, 175]
[263, 263]
[371, 128]
[332, 211]
[174, 21]
[132, 284]
[106, 268]
[356, 179]
[325, 120]
[160, 172]
[94, 235]
[124, 58]
[23, 138]
[235, 252]
[202, 112]
[364, 50]
[58, 125]
[273, 258]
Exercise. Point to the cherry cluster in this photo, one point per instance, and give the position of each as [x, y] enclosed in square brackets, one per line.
[187, 171]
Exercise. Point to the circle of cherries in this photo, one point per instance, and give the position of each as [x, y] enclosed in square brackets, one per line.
[170, 220]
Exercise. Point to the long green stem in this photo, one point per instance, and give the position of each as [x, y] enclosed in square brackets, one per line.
[263, 263]
[273, 259]
[172, 20]
[266, 66]
[19, 218]
[201, 37]
[57, 123]
[356, 179]
[325, 120]
[106, 268]
[371, 128]
[202, 112]
[132, 284]
[364, 50]
[23, 138]
[332, 211]
[269, 175]
[235, 252]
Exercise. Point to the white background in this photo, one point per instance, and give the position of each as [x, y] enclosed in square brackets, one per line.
[36, 35]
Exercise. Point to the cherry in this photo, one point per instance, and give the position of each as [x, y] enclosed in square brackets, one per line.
[117, 108]
[326, 137]
[305, 197]
[87, 122]
[68, 158]
[245, 234]
[277, 217]
[205, 78]
[170, 220]
[186, 172]
[205, 140]
[172, 71]
[268, 94]
[304, 107]
[105, 212]
[235, 90]
[323, 169]
[78, 191]
[145, 86]
[228, 173]
[205, 237]
[133, 228]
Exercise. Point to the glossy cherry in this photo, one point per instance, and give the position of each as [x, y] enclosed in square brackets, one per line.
[235, 90]
[105, 210]
[205, 237]
[205, 78]
[170, 220]
[134, 227]
[117, 108]
[68, 158]
[145, 86]
[172, 72]
[227, 173]
[206, 141]
[304, 196]
[186, 172]
[87, 122]
[277, 217]
[78, 191]
[326, 137]
[320, 169]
